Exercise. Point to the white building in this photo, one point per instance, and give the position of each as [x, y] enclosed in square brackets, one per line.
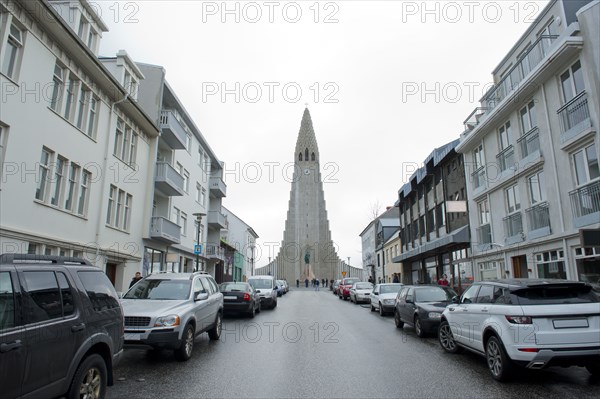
[531, 152]
[77, 150]
[242, 237]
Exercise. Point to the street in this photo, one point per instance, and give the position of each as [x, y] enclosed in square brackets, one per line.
[315, 345]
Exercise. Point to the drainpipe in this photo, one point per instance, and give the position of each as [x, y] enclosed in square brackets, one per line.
[104, 169]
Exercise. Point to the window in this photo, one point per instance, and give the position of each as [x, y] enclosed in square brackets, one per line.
[82, 204]
[513, 201]
[119, 208]
[486, 293]
[132, 149]
[585, 162]
[551, 264]
[198, 191]
[12, 52]
[70, 99]
[91, 118]
[83, 25]
[42, 298]
[175, 214]
[484, 212]
[100, 290]
[571, 82]
[470, 295]
[119, 137]
[59, 170]
[58, 82]
[7, 302]
[126, 141]
[528, 117]
[130, 85]
[66, 294]
[91, 40]
[203, 197]
[3, 134]
[186, 181]
[183, 223]
[504, 136]
[44, 169]
[536, 184]
[81, 105]
[489, 270]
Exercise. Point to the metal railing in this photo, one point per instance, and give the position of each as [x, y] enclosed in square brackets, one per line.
[163, 227]
[478, 177]
[513, 224]
[574, 112]
[484, 234]
[586, 200]
[538, 216]
[506, 158]
[529, 142]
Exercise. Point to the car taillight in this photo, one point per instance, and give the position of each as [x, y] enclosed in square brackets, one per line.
[531, 350]
[519, 319]
[246, 296]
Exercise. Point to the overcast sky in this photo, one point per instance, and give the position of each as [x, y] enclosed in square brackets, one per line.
[385, 82]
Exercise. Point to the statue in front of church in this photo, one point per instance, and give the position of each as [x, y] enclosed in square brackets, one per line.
[306, 257]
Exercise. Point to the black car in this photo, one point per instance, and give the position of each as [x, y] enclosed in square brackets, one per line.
[61, 327]
[240, 298]
[422, 306]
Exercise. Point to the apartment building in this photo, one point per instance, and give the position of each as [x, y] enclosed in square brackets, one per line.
[434, 232]
[391, 249]
[386, 227]
[242, 239]
[77, 150]
[531, 152]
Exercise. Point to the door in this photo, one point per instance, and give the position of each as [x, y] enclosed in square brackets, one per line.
[111, 272]
[519, 264]
[201, 308]
[13, 353]
[407, 306]
[462, 327]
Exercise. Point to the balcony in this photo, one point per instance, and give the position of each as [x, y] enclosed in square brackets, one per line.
[513, 228]
[585, 204]
[538, 218]
[215, 252]
[574, 117]
[506, 158]
[163, 229]
[217, 220]
[478, 178]
[484, 235]
[167, 180]
[217, 187]
[173, 132]
[530, 144]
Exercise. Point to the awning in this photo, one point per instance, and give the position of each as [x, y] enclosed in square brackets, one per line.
[460, 236]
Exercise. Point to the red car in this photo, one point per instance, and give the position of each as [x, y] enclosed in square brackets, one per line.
[344, 287]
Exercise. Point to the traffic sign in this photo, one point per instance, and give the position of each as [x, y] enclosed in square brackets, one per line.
[343, 274]
[197, 249]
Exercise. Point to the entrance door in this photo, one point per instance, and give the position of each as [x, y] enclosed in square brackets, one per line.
[519, 264]
[111, 272]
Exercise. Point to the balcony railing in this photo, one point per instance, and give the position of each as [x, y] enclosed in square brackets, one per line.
[536, 53]
[165, 230]
[506, 158]
[478, 177]
[574, 112]
[217, 219]
[173, 132]
[217, 186]
[484, 234]
[214, 251]
[538, 216]
[586, 200]
[513, 224]
[168, 180]
[529, 142]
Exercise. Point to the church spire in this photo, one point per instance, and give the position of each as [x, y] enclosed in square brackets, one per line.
[306, 144]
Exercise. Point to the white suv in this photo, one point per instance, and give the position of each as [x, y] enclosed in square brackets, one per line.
[534, 323]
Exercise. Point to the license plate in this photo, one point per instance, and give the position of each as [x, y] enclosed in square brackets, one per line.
[570, 323]
[133, 336]
[229, 298]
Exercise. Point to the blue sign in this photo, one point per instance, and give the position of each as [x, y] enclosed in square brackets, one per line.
[197, 249]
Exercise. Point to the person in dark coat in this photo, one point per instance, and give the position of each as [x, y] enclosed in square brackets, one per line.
[138, 277]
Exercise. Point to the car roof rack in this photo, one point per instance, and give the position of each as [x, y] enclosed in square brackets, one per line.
[34, 258]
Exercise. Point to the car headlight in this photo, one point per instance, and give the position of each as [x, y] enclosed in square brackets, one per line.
[389, 301]
[167, 321]
[434, 315]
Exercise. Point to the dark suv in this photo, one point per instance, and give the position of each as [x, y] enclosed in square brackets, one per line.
[61, 327]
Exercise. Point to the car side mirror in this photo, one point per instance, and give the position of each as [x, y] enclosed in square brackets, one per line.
[409, 300]
[455, 299]
[202, 296]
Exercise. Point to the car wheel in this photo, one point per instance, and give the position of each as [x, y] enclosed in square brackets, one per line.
[215, 332]
[381, 312]
[594, 369]
[399, 323]
[274, 304]
[372, 308]
[419, 328]
[446, 338]
[252, 312]
[498, 362]
[184, 352]
[258, 308]
[90, 379]
[339, 296]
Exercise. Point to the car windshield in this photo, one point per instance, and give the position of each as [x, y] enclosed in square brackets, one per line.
[433, 294]
[563, 293]
[390, 289]
[350, 281]
[364, 286]
[233, 287]
[261, 283]
[160, 289]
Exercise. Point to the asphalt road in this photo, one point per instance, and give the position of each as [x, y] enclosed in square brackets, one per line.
[314, 345]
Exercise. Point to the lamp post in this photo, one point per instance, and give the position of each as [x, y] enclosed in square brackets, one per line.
[198, 221]
[348, 265]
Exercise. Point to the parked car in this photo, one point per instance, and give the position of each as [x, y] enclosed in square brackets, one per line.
[286, 286]
[533, 323]
[383, 297]
[334, 287]
[360, 292]
[61, 327]
[422, 307]
[240, 298]
[345, 285]
[280, 287]
[168, 311]
[267, 290]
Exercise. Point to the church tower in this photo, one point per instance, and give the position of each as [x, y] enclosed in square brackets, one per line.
[307, 250]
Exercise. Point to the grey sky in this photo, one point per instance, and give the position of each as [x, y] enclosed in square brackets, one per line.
[385, 82]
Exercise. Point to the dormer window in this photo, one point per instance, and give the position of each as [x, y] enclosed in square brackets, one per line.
[130, 85]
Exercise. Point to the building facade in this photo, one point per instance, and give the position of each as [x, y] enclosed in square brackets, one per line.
[531, 152]
[242, 238]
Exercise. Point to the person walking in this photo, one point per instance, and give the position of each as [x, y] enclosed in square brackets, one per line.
[297, 283]
[138, 277]
[443, 280]
[396, 279]
[316, 284]
[306, 282]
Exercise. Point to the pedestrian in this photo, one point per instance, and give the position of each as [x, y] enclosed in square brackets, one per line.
[396, 279]
[306, 282]
[443, 280]
[138, 277]
[323, 282]
[371, 279]
[316, 284]
[297, 283]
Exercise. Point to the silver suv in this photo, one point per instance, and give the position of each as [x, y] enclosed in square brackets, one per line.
[168, 311]
[534, 323]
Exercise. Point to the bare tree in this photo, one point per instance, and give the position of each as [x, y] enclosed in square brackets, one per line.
[375, 209]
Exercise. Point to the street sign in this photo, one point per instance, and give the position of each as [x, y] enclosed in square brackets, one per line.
[197, 249]
[343, 274]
